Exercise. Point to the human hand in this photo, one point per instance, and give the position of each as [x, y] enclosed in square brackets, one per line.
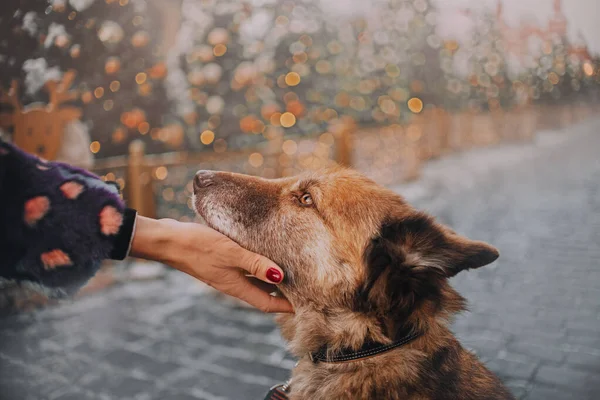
[213, 258]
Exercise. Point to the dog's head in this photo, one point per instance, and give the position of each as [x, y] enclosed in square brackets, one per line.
[342, 240]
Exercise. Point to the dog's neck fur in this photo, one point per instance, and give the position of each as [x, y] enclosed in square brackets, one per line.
[311, 327]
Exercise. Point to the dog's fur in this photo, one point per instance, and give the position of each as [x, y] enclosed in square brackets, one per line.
[360, 264]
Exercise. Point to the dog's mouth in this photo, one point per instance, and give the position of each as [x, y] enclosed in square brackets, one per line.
[203, 180]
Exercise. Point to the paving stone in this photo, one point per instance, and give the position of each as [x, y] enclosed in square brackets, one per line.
[540, 392]
[543, 352]
[253, 368]
[584, 361]
[175, 395]
[119, 385]
[512, 370]
[126, 359]
[565, 377]
[229, 387]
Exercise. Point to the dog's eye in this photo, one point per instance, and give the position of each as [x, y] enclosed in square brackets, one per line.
[306, 199]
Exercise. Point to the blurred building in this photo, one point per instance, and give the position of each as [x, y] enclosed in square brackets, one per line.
[530, 36]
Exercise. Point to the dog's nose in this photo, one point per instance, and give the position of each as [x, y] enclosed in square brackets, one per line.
[203, 179]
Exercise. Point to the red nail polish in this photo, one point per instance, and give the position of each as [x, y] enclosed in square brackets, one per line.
[274, 275]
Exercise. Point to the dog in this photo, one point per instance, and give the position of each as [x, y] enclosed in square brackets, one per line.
[367, 275]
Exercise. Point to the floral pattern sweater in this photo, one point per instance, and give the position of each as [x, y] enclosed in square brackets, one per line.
[57, 222]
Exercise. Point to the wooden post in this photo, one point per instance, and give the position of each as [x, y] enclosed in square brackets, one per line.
[140, 195]
[342, 130]
[168, 17]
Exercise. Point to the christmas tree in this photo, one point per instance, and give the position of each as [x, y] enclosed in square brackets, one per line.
[296, 67]
[590, 85]
[554, 78]
[258, 60]
[490, 81]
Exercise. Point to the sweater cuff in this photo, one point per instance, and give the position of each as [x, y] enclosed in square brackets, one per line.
[123, 239]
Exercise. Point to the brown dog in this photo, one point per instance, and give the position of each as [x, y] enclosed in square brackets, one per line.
[367, 275]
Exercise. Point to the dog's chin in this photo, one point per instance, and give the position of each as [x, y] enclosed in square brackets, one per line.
[208, 210]
[200, 210]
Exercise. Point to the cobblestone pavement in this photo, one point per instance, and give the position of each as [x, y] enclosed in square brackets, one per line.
[534, 319]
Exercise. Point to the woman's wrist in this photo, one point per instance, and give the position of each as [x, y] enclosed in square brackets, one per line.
[152, 239]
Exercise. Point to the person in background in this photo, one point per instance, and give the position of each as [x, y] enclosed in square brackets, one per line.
[58, 222]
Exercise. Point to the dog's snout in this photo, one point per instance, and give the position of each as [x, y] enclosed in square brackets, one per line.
[203, 179]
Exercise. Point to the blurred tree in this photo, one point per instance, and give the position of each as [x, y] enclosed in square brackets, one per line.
[287, 67]
[400, 64]
[591, 80]
[491, 84]
[111, 47]
[555, 80]
[258, 60]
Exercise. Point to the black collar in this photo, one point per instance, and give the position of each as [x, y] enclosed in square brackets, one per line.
[368, 349]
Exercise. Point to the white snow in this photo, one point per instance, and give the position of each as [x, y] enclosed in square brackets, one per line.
[53, 31]
[110, 32]
[37, 74]
[58, 3]
[29, 23]
[81, 5]
[257, 26]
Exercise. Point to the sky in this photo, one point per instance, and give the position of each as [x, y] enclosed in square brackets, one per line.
[582, 15]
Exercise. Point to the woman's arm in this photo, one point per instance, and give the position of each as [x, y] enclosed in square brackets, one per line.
[211, 257]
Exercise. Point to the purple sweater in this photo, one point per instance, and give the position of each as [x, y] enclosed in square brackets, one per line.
[57, 222]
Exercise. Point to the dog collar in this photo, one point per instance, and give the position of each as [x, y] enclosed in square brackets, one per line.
[369, 349]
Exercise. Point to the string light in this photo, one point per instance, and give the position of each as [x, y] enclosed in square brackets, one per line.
[207, 137]
[99, 92]
[415, 105]
[87, 97]
[115, 86]
[292, 79]
[219, 50]
[95, 147]
[287, 120]
[255, 160]
[144, 128]
[140, 78]
[161, 173]
[289, 147]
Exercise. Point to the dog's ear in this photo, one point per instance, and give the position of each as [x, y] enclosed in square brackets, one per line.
[419, 243]
[410, 257]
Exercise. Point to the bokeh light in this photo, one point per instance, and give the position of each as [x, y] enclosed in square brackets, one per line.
[287, 119]
[292, 79]
[161, 173]
[256, 160]
[415, 105]
[207, 137]
[95, 147]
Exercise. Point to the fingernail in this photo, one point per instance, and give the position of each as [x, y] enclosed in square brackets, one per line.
[274, 275]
